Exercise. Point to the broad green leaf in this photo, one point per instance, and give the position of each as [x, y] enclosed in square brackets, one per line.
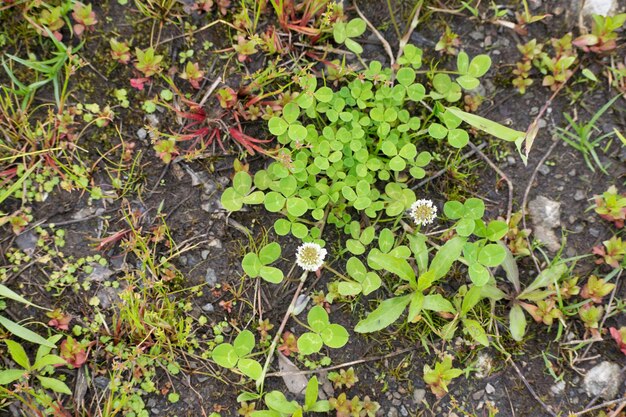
[282, 227]
[311, 393]
[251, 265]
[465, 226]
[291, 112]
[244, 343]
[458, 138]
[339, 32]
[474, 208]
[10, 294]
[468, 82]
[276, 401]
[398, 266]
[274, 202]
[479, 65]
[454, 209]
[478, 274]
[18, 354]
[462, 62]
[271, 274]
[488, 126]
[24, 333]
[250, 368]
[48, 360]
[436, 302]
[317, 318]
[371, 283]
[296, 206]
[322, 406]
[510, 268]
[349, 288]
[546, 277]
[297, 132]
[385, 314]
[256, 197]
[324, 94]
[517, 323]
[334, 336]
[386, 240]
[417, 243]
[496, 230]
[415, 307]
[476, 331]
[277, 126]
[225, 355]
[405, 76]
[231, 200]
[269, 253]
[266, 413]
[437, 131]
[353, 46]
[491, 255]
[355, 27]
[242, 182]
[471, 298]
[446, 256]
[54, 384]
[9, 375]
[309, 343]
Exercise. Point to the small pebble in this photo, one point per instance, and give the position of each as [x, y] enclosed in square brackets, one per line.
[533, 111]
[489, 389]
[544, 169]
[403, 411]
[396, 402]
[397, 395]
[419, 395]
[142, 133]
[208, 308]
[210, 277]
[579, 195]
[558, 388]
[478, 394]
[594, 232]
[393, 412]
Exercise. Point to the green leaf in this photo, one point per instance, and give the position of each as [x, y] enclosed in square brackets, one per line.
[546, 277]
[277, 126]
[478, 274]
[24, 333]
[297, 132]
[54, 384]
[10, 294]
[256, 197]
[476, 331]
[324, 94]
[276, 401]
[244, 343]
[398, 266]
[311, 393]
[322, 406]
[386, 240]
[271, 274]
[454, 209]
[462, 62]
[309, 343]
[225, 355]
[317, 318]
[349, 288]
[296, 206]
[371, 283]
[496, 230]
[468, 82]
[269, 253]
[474, 208]
[385, 314]
[355, 27]
[415, 307]
[436, 302]
[291, 112]
[48, 360]
[231, 200]
[491, 255]
[9, 375]
[417, 243]
[488, 126]
[250, 368]
[274, 202]
[479, 66]
[18, 354]
[405, 76]
[242, 182]
[353, 46]
[335, 336]
[251, 265]
[517, 323]
[446, 256]
[437, 131]
[465, 226]
[282, 227]
[339, 32]
[458, 138]
[471, 298]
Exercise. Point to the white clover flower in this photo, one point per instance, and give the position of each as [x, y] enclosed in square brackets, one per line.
[310, 256]
[423, 212]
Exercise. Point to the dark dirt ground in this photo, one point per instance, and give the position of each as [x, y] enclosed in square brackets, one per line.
[396, 380]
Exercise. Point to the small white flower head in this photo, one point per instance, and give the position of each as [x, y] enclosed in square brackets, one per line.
[423, 212]
[310, 256]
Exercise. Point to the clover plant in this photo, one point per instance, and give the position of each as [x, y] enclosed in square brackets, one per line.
[280, 406]
[322, 333]
[344, 32]
[257, 265]
[236, 355]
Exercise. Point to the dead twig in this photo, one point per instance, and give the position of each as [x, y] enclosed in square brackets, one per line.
[346, 364]
[509, 207]
[380, 37]
[530, 389]
[620, 401]
[405, 39]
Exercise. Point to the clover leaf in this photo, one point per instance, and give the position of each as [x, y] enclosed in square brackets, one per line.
[233, 198]
[236, 355]
[344, 32]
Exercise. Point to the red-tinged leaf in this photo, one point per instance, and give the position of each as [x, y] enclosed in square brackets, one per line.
[138, 83]
[585, 40]
[619, 335]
